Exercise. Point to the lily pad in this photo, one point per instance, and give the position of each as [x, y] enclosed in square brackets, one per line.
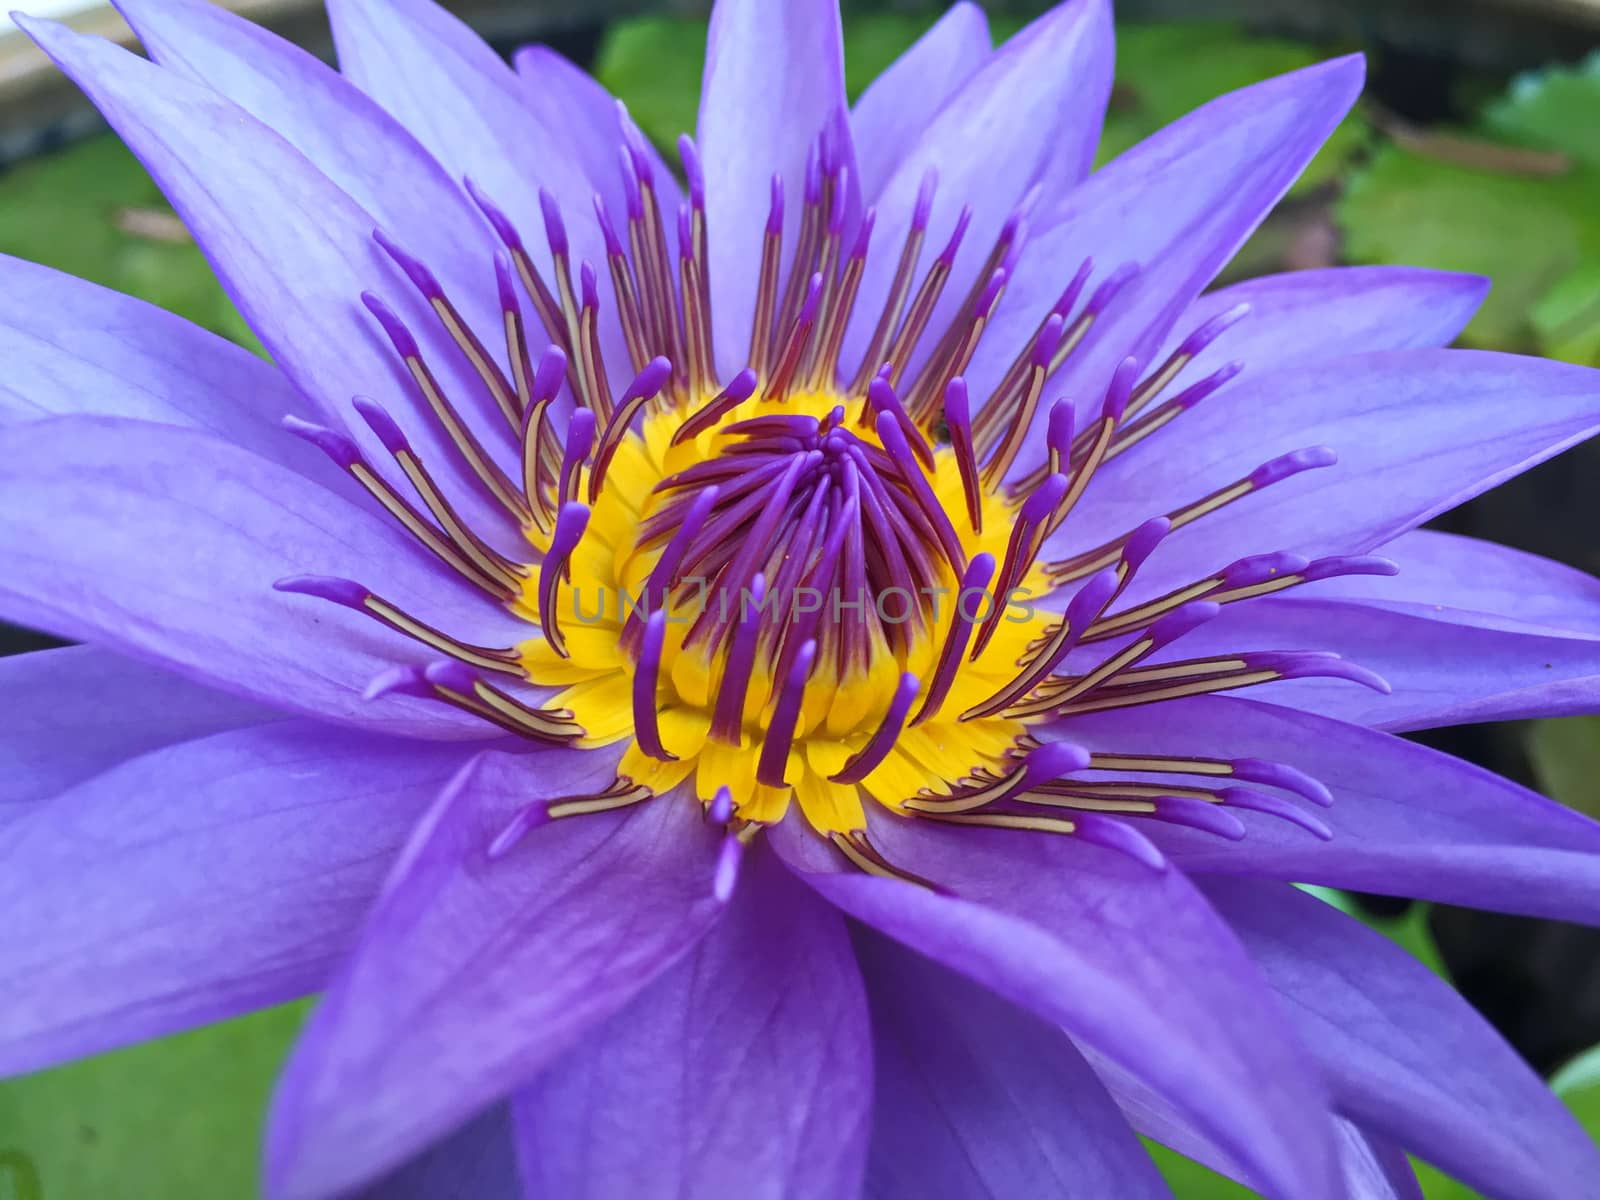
[1532, 234]
[179, 1118]
[90, 210]
[1553, 109]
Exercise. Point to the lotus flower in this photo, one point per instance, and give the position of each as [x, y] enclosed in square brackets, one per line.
[721, 687]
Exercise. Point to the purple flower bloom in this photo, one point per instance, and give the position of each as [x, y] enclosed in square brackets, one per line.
[768, 742]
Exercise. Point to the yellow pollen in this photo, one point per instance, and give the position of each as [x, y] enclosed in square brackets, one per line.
[839, 713]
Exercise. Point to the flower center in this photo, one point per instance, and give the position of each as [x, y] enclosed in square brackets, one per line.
[806, 586]
[762, 599]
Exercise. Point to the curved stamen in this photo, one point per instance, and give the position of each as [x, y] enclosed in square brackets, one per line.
[646, 676]
[863, 762]
[774, 759]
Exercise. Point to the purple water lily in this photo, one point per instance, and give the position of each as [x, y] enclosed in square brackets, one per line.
[719, 688]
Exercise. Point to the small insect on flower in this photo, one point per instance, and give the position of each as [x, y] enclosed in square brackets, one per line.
[720, 684]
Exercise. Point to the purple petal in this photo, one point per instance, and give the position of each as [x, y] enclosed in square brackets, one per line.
[1403, 1052]
[679, 1093]
[774, 81]
[1447, 666]
[473, 974]
[977, 1098]
[565, 99]
[246, 193]
[1131, 961]
[1029, 116]
[72, 347]
[197, 882]
[1406, 820]
[1313, 316]
[476, 1162]
[1505, 588]
[1416, 433]
[162, 543]
[1177, 205]
[467, 106]
[77, 711]
[1372, 1169]
[891, 114]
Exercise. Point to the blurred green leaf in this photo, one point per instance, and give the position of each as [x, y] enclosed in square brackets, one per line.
[1553, 109]
[1165, 71]
[1190, 1181]
[92, 211]
[1530, 233]
[179, 1118]
[1566, 758]
[653, 65]
[1578, 1083]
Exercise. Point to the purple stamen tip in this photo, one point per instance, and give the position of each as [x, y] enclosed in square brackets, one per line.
[503, 228]
[404, 344]
[1259, 568]
[588, 286]
[1276, 806]
[448, 673]
[1194, 393]
[1121, 389]
[335, 445]
[1092, 598]
[957, 405]
[637, 148]
[381, 423]
[1112, 285]
[808, 310]
[1044, 346]
[947, 256]
[1292, 463]
[1109, 833]
[742, 385]
[1350, 564]
[725, 875]
[1200, 814]
[580, 434]
[608, 231]
[1044, 499]
[325, 587]
[547, 376]
[555, 230]
[925, 194]
[633, 196]
[720, 810]
[571, 521]
[1051, 761]
[648, 381]
[685, 232]
[1213, 329]
[1180, 621]
[990, 294]
[1314, 664]
[813, 178]
[1058, 435]
[775, 207]
[1281, 775]
[403, 680]
[1143, 541]
[505, 282]
[693, 170]
[1074, 289]
[864, 233]
[422, 278]
[519, 827]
